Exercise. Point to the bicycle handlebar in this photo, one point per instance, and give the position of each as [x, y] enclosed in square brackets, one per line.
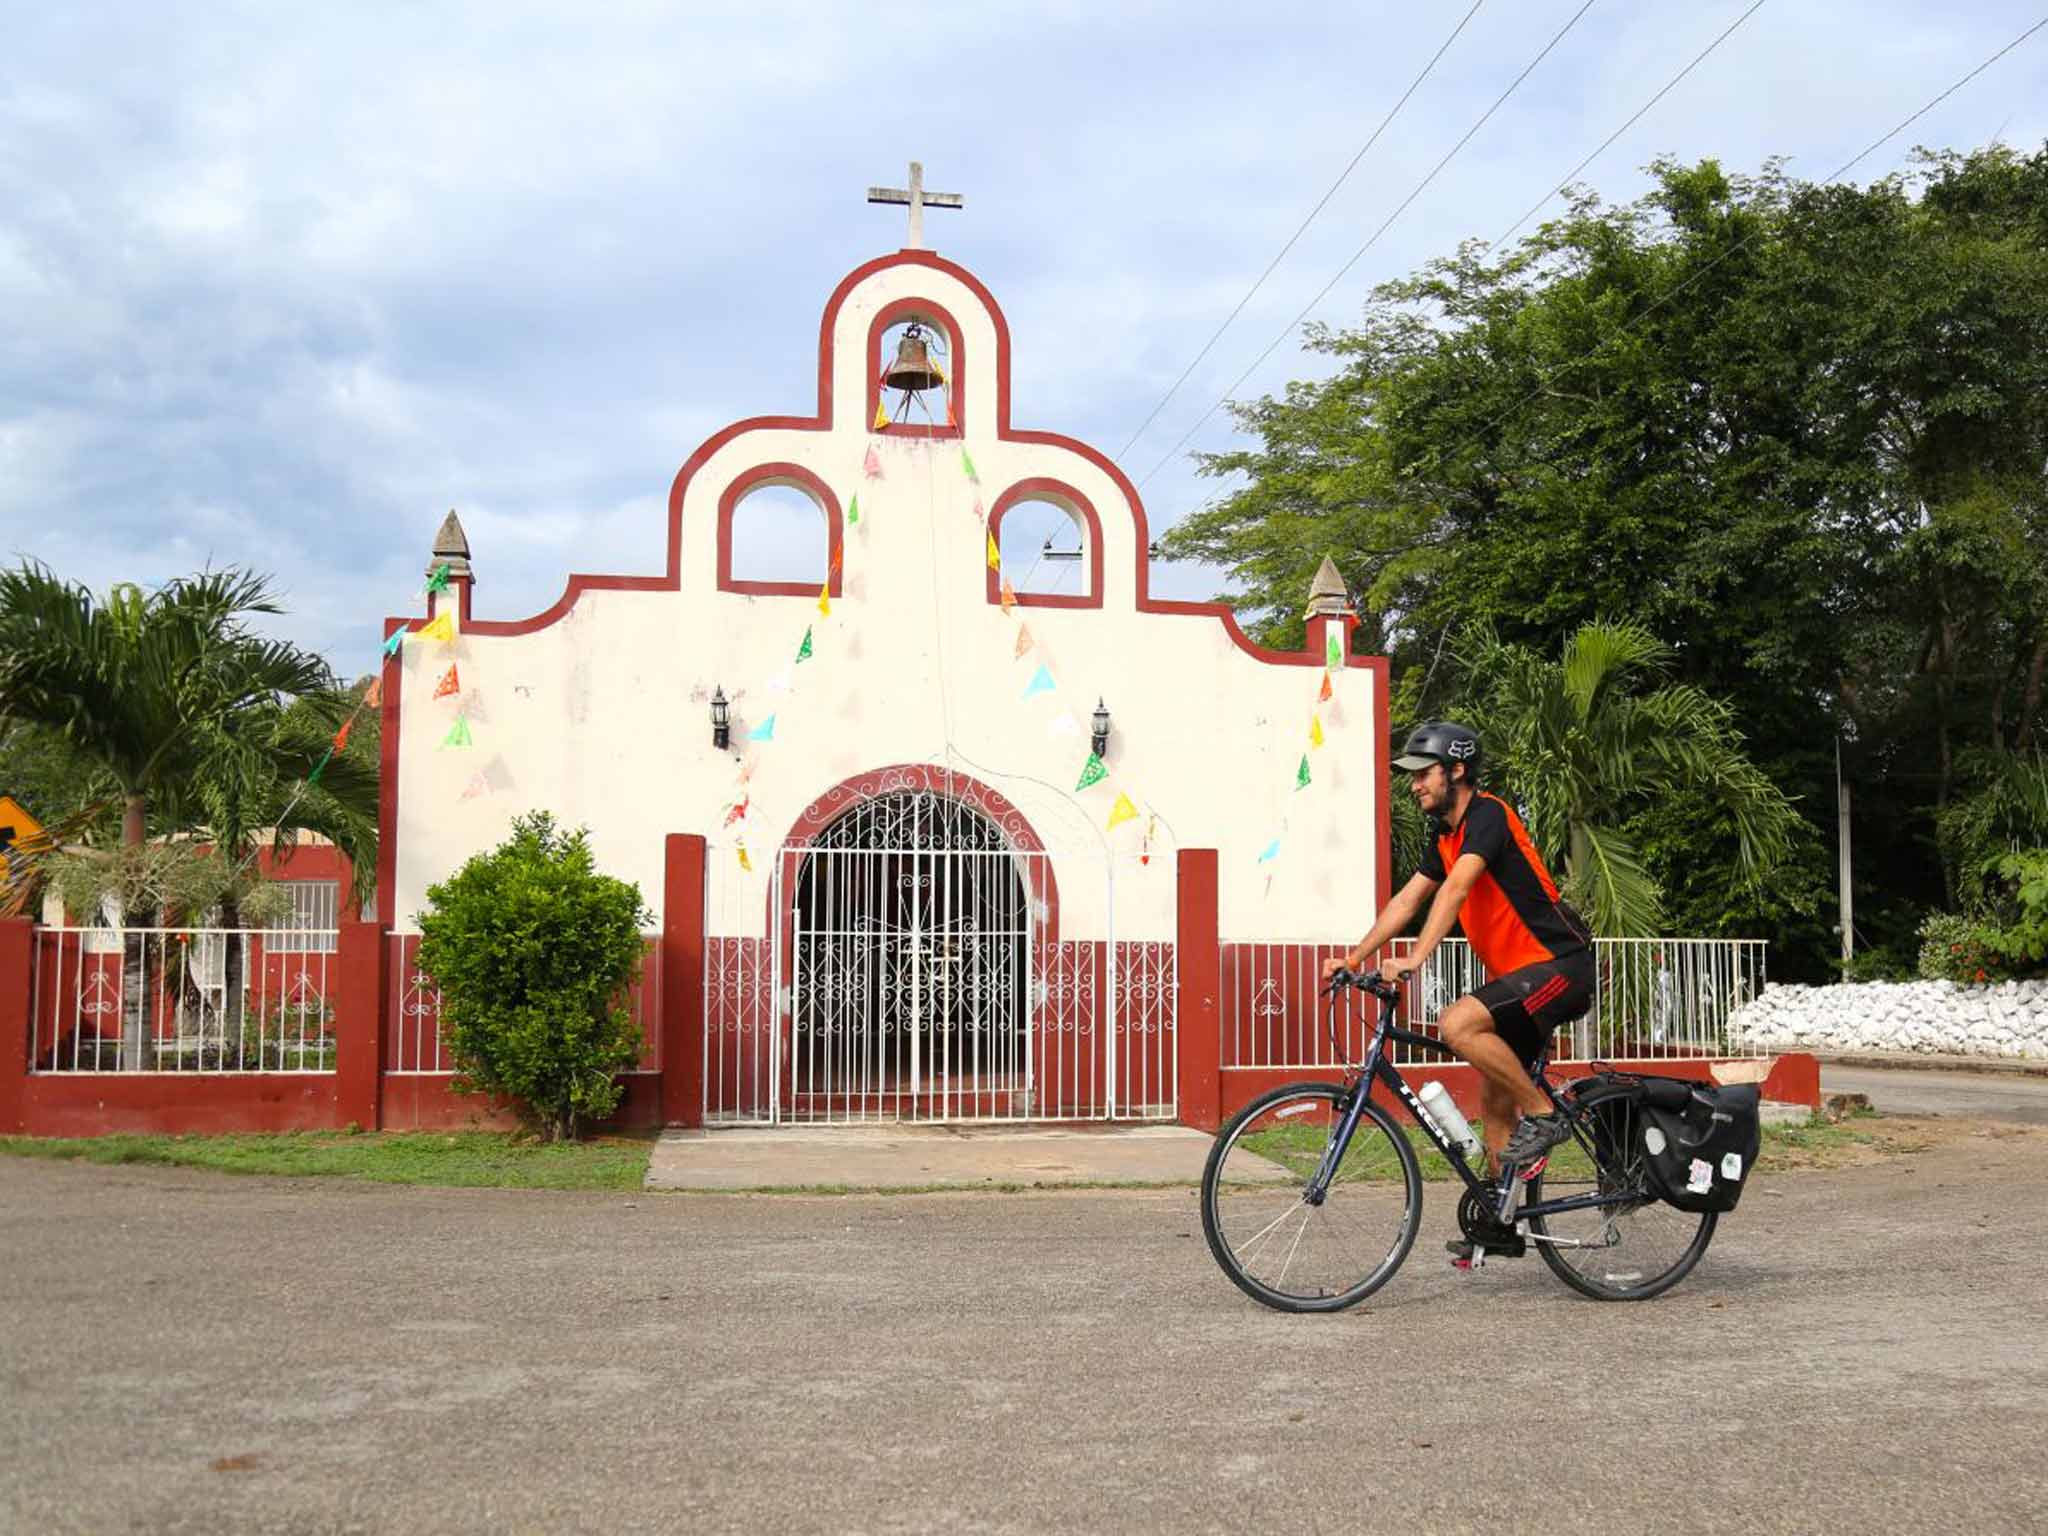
[1365, 981]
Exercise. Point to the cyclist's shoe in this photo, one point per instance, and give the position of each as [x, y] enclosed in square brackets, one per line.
[1534, 1137]
[1511, 1246]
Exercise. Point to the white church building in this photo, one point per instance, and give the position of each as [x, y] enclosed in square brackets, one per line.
[928, 829]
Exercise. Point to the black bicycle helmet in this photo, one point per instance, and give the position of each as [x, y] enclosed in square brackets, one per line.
[1441, 741]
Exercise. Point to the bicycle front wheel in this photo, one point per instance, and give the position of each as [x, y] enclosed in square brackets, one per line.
[1629, 1247]
[1290, 1252]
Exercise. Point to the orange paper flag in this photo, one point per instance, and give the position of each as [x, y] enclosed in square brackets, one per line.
[374, 695]
[449, 683]
[1023, 639]
[341, 736]
[1009, 595]
[1324, 696]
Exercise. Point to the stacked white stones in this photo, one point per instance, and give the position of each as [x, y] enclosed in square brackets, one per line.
[2008, 1018]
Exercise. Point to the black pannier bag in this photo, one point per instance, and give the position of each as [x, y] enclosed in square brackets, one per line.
[1700, 1142]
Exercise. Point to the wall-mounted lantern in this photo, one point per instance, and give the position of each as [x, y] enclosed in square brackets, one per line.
[721, 720]
[1101, 723]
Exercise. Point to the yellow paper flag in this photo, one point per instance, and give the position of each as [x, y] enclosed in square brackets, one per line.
[825, 599]
[745, 863]
[881, 416]
[1315, 731]
[995, 556]
[441, 630]
[1122, 811]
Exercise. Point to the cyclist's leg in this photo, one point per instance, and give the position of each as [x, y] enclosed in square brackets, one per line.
[1468, 1028]
[1498, 1114]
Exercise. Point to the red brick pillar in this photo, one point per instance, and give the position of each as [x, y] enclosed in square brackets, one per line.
[682, 980]
[1198, 1029]
[17, 938]
[362, 961]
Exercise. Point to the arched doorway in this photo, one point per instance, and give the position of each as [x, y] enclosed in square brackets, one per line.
[913, 931]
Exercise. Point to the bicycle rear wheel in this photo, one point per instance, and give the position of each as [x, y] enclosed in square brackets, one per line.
[1276, 1246]
[1631, 1248]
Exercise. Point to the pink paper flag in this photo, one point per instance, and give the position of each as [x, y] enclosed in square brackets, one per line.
[873, 466]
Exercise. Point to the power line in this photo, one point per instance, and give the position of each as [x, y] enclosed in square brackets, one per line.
[1302, 228]
[1847, 166]
[1371, 240]
[1607, 143]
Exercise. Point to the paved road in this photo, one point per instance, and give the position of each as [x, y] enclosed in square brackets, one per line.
[190, 1352]
[2005, 1097]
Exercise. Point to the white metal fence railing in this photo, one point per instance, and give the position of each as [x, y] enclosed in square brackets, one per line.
[1654, 999]
[413, 1045]
[181, 1000]
[903, 981]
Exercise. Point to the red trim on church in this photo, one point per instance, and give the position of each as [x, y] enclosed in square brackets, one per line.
[796, 476]
[955, 365]
[671, 578]
[1044, 488]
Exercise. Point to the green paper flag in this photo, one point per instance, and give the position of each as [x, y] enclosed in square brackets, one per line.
[853, 510]
[803, 652]
[438, 582]
[320, 767]
[458, 733]
[1301, 778]
[1093, 773]
[1333, 652]
[967, 464]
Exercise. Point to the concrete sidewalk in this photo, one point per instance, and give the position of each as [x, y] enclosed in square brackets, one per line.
[927, 1157]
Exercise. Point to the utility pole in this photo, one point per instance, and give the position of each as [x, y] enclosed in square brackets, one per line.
[1847, 898]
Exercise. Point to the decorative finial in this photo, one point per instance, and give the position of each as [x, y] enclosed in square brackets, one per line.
[1328, 596]
[451, 548]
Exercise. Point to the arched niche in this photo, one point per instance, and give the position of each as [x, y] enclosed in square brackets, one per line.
[779, 531]
[938, 412]
[1050, 541]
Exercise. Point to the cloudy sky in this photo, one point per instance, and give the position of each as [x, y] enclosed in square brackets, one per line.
[280, 284]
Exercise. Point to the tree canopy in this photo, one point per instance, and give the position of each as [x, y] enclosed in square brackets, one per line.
[1797, 433]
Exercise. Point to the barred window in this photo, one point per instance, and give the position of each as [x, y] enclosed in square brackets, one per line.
[309, 928]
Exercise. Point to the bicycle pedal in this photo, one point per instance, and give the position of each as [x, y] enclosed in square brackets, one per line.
[1530, 1170]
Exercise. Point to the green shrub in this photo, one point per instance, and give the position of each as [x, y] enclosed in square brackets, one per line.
[533, 950]
[2010, 941]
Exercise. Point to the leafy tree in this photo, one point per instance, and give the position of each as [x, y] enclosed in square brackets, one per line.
[1582, 740]
[533, 951]
[190, 721]
[1796, 432]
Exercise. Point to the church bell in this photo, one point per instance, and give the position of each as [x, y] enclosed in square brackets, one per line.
[913, 371]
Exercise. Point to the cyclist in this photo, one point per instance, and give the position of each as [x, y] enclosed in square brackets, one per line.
[1486, 877]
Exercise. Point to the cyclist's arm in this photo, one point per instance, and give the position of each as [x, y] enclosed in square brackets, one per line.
[1394, 916]
[1443, 912]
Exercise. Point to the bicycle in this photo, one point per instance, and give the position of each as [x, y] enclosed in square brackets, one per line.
[1303, 1179]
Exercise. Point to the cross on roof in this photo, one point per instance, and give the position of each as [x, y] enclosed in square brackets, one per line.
[918, 200]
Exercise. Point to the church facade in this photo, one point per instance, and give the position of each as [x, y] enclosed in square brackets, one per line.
[939, 828]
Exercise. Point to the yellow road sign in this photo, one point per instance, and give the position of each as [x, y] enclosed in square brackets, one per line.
[14, 817]
[20, 833]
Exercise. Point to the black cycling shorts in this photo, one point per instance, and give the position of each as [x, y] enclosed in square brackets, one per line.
[1529, 1004]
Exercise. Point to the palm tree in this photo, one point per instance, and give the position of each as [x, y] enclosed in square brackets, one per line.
[1586, 739]
[200, 725]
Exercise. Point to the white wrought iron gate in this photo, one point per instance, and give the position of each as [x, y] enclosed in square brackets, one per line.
[910, 965]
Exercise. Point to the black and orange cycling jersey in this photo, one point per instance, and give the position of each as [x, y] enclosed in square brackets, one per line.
[1513, 915]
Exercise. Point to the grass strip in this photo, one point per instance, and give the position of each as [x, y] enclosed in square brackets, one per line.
[462, 1159]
